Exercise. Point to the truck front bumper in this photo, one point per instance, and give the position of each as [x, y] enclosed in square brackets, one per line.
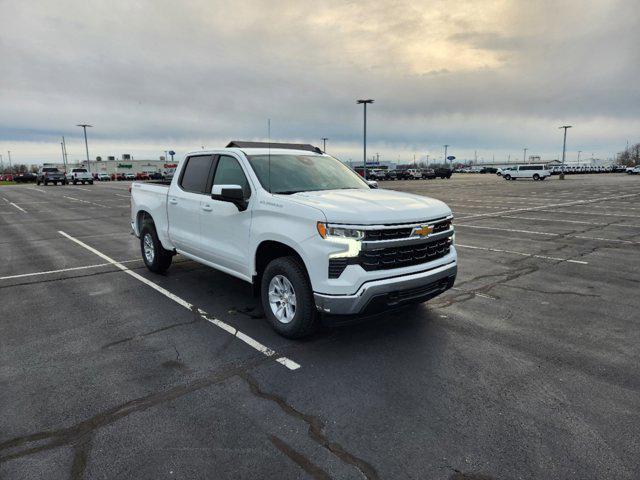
[385, 293]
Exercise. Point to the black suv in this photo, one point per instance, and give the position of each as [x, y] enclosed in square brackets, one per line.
[48, 175]
[443, 172]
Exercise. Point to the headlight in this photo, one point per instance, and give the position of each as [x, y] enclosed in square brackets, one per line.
[349, 237]
[329, 232]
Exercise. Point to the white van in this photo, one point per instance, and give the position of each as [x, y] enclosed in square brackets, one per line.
[535, 172]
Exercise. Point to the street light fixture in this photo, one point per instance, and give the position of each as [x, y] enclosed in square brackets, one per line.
[445, 154]
[364, 102]
[86, 145]
[324, 144]
[564, 148]
[524, 155]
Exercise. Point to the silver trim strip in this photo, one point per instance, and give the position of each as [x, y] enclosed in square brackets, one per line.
[390, 227]
[399, 242]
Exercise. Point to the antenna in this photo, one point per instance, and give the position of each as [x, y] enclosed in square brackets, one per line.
[269, 144]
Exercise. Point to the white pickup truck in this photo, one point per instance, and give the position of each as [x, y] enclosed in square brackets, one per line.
[79, 175]
[308, 233]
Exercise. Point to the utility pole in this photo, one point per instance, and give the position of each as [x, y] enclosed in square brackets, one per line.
[475, 156]
[377, 157]
[579, 152]
[1, 164]
[524, 155]
[364, 102]
[65, 157]
[324, 144]
[9, 155]
[564, 149]
[445, 154]
[86, 144]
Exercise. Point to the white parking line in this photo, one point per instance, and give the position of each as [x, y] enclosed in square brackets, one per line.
[533, 232]
[84, 201]
[37, 189]
[125, 196]
[601, 214]
[287, 362]
[542, 207]
[544, 257]
[560, 220]
[80, 188]
[5, 199]
[18, 207]
[62, 270]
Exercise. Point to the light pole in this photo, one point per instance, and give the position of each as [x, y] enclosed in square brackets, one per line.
[86, 145]
[524, 155]
[579, 152]
[445, 154]
[364, 102]
[9, 155]
[564, 148]
[1, 164]
[324, 144]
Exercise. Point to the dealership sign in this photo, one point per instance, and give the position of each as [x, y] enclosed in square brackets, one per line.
[125, 165]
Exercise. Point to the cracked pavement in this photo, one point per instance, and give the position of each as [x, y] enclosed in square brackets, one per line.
[527, 369]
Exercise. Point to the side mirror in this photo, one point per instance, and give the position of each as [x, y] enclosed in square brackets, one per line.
[372, 183]
[230, 193]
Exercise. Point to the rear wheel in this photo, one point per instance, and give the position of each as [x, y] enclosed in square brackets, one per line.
[287, 298]
[155, 256]
[507, 177]
[536, 177]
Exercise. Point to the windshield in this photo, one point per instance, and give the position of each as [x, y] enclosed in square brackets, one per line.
[79, 169]
[303, 173]
[49, 169]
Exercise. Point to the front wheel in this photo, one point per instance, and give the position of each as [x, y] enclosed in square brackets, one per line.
[536, 177]
[507, 177]
[287, 298]
[155, 256]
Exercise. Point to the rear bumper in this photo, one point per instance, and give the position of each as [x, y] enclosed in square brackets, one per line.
[390, 292]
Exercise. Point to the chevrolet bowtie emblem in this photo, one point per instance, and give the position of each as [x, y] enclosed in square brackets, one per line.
[422, 231]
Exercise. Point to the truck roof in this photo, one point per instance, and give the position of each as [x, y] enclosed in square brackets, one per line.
[255, 151]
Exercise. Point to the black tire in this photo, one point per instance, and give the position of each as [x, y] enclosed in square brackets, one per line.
[536, 177]
[305, 318]
[161, 259]
[507, 177]
[542, 178]
[91, 183]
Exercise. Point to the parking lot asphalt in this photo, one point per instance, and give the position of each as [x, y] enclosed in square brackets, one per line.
[527, 369]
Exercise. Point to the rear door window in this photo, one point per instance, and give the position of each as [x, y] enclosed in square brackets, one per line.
[195, 175]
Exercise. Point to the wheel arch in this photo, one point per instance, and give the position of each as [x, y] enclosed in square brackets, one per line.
[267, 251]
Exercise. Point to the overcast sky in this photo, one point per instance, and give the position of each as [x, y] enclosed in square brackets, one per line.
[495, 76]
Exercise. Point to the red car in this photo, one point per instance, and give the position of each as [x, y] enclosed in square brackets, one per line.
[142, 176]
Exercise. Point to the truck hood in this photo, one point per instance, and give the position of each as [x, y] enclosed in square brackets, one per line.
[375, 206]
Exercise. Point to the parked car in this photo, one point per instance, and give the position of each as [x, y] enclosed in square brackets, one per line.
[142, 176]
[489, 170]
[390, 175]
[25, 177]
[49, 175]
[7, 177]
[402, 174]
[414, 174]
[103, 177]
[428, 173]
[535, 172]
[119, 176]
[129, 176]
[634, 171]
[443, 172]
[308, 233]
[155, 176]
[79, 175]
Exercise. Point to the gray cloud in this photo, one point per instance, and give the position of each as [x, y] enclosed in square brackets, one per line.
[475, 74]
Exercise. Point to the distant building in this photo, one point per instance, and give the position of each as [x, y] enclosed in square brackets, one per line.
[113, 166]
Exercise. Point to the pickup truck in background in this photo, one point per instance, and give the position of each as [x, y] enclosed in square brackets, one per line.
[79, 175]
[49, 175]
[308, 233]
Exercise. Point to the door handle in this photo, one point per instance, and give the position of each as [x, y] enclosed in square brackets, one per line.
[207, 208]
[173, 201]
